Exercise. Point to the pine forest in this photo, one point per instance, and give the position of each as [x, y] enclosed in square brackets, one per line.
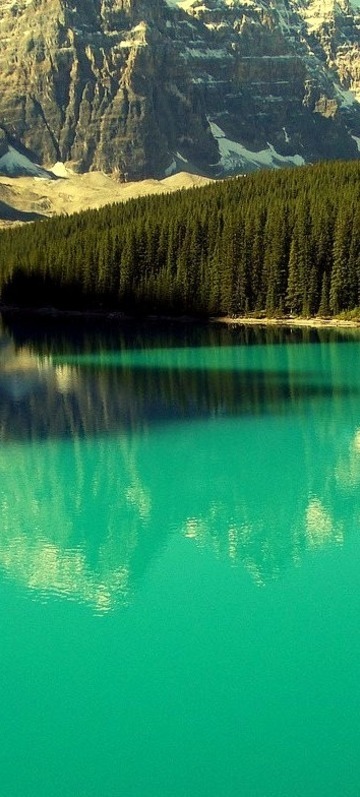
[274, 243]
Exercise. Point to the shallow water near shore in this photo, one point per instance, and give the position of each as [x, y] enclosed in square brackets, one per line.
[179, 561]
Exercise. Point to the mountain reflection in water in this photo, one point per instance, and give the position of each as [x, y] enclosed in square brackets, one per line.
[111, 444]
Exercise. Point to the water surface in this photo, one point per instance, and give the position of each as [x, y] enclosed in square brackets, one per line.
[179, 562]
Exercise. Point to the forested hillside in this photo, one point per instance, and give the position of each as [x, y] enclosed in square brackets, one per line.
[285, 242]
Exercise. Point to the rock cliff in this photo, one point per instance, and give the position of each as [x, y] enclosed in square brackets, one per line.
[146, 87]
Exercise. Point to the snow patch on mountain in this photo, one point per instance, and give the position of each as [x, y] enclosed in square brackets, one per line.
[234, 156]
[181, 158]
[206, 52]
[60, 170]
[347, 97]
[13, 164]
[171, 169]
[185, 4]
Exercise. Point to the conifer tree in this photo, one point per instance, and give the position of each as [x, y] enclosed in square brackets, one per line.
[340, 283]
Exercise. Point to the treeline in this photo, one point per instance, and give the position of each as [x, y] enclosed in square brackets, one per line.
[276, 242]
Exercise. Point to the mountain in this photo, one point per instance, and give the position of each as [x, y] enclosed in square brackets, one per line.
[14, 163]
[146, 88]
[28, 198]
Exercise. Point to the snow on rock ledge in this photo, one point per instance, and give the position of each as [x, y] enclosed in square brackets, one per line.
[14, 164]
[234, 156]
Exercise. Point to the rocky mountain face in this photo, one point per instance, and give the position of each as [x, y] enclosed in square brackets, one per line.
[145, 88]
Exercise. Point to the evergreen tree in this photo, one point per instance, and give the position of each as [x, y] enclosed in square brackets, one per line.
[276, 241]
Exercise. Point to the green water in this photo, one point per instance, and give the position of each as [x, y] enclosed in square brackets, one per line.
[179, 562]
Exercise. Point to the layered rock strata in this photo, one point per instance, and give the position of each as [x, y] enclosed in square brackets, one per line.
[144, 89]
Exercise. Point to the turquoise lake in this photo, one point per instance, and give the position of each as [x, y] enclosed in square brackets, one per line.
[179, 561]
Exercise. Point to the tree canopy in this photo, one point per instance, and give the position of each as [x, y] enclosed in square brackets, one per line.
[275, 242]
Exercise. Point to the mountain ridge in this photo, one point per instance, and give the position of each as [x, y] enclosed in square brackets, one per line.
[143, 90]
[29, 197]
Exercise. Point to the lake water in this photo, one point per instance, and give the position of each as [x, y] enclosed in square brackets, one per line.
[179, 562]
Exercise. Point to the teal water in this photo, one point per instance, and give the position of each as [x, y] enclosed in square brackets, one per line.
[179, 562]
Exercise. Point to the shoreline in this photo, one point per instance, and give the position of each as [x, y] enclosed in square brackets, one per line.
[314, 322]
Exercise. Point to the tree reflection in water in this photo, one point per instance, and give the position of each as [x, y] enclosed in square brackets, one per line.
[113, 442]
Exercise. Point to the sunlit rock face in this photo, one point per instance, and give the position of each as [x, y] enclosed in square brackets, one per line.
[149, 88]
